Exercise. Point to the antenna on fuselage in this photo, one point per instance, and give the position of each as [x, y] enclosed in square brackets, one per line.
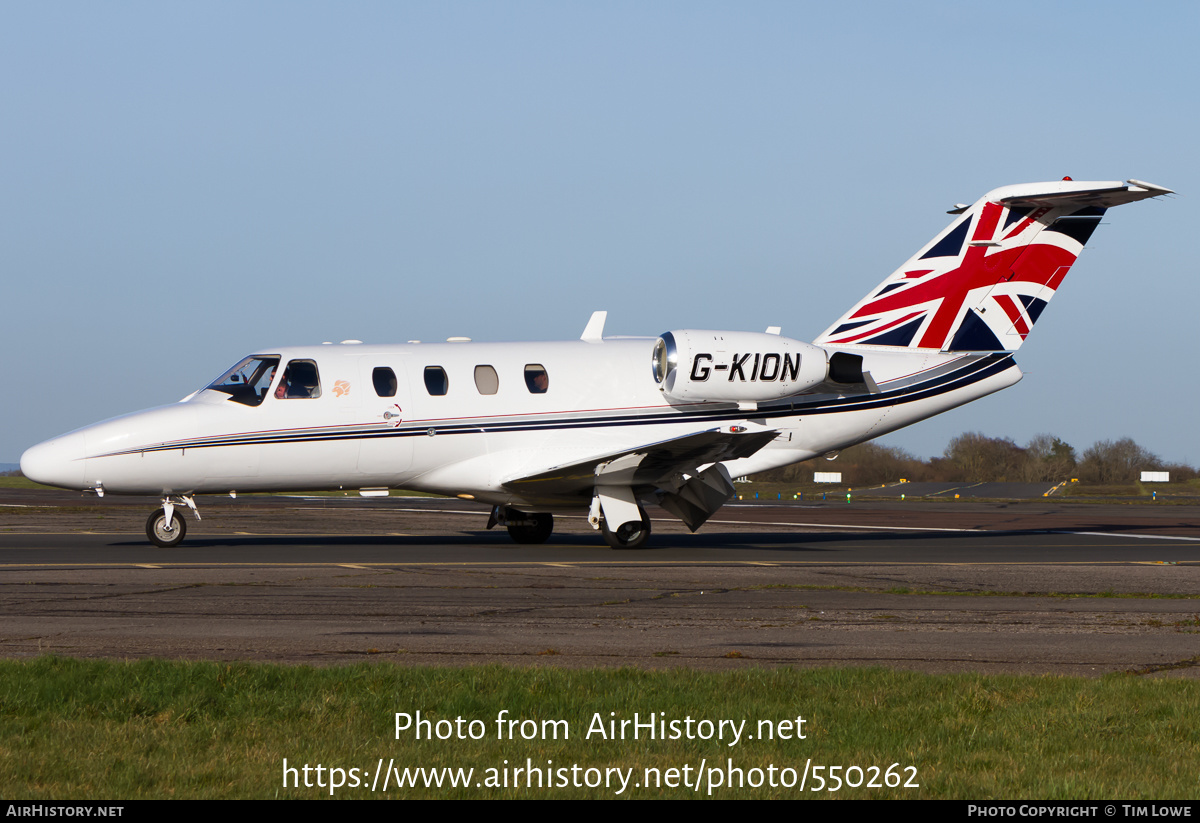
[594, 331]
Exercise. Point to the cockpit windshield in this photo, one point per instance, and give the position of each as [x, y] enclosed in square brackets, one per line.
[248, 381]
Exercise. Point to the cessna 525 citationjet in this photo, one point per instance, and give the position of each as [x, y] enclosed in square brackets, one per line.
[599, 424]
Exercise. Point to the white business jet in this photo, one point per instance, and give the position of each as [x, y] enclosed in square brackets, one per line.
[606, 425]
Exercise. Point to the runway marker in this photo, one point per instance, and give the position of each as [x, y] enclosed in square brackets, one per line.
[1138, 536]
[858, 527]
[874, 564]
[475, 512]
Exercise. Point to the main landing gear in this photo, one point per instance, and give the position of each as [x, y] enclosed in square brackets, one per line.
[523, 528]
[165, 527]
[535, 528]
[618, 515]
[631, 535]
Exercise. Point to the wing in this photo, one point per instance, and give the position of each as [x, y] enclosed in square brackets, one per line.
[651, 464]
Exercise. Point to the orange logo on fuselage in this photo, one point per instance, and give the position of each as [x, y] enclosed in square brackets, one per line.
[341, 387]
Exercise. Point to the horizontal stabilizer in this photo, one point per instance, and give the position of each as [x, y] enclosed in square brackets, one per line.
[1067, 193]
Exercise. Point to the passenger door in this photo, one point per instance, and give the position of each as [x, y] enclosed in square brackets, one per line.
[385, 450]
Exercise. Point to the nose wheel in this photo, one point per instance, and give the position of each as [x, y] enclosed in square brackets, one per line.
[165, 531]
[166, 528]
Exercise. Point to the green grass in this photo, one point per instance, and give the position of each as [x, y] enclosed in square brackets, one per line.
[16, 481]
[1188, 490]
[771, 491]
[73, 729]
[19, 482]
[1135, 493]
[350, 493]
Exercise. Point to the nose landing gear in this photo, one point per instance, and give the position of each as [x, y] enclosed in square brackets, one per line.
[165, 532]
[165, 527]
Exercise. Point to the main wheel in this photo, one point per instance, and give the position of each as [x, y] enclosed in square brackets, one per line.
[163, 534]
[631, 535]
[538, 531]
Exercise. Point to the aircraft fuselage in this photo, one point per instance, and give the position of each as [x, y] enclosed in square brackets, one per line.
[599, 398]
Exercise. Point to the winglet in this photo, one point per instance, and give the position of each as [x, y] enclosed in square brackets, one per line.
[594, 331]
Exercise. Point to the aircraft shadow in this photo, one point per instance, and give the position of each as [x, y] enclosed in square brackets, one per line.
[711, 540]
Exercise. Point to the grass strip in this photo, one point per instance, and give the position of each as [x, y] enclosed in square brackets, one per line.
[79, 729]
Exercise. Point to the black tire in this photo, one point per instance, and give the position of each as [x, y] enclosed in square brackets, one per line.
[538, 532]
[631, 535]
[162, 536]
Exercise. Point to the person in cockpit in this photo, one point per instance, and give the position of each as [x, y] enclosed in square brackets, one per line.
[299, 380]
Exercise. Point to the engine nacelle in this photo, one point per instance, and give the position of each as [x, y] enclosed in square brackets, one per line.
[694, 366]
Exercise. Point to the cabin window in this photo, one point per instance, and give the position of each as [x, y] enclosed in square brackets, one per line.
[385, 381]
[249, 381]
[300, 380]
[436, 381]
[536, 378]
[486, 380]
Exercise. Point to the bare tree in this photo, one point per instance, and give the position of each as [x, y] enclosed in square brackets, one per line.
[1048, 459]
[975, 456]
[1120, 461]
[864, 464]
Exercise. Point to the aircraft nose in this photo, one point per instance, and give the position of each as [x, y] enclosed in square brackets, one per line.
[57, 462]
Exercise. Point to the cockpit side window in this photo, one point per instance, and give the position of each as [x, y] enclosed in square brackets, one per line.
[300, 380]
[248, 382]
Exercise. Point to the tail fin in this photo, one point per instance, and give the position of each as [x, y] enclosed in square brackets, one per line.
[981, 284]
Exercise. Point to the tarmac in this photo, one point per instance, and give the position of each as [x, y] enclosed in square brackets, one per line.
[1036, 586]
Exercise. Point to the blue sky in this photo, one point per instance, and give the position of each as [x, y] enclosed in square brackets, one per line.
[185, 183]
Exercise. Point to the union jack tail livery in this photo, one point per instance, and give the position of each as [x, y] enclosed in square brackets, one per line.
[981, 284]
